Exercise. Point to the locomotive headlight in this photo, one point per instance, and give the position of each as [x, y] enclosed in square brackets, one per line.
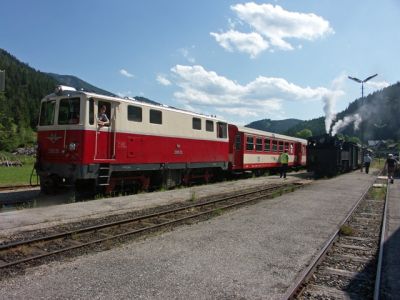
[72, 146]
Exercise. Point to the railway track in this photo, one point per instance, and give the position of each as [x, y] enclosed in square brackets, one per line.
[17, 187]
[349, 265]
[25, 252]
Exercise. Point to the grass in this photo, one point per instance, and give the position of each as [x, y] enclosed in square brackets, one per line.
[377, 193]
[346, 230]
[192, 196]
[17, 175]
[378, 163]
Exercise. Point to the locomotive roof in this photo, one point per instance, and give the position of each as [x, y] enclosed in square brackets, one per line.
[70, 92]
[270, 134]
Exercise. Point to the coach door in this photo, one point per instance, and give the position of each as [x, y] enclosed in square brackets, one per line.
[105, 130]
[298, 153]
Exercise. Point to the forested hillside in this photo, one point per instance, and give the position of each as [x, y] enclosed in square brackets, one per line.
[379, 113]
[280, 126]
[79, 84]
[20, 101]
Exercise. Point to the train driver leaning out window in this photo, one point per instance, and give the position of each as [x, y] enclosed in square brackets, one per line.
[103, 120]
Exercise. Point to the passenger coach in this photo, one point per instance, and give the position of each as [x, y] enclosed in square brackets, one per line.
[257, 151]
[143, 144]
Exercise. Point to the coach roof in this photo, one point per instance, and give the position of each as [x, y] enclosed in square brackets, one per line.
[270, 134]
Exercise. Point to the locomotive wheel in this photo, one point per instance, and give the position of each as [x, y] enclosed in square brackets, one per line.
[49, 184]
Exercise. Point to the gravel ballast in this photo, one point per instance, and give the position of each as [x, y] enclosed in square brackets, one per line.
[251, 253]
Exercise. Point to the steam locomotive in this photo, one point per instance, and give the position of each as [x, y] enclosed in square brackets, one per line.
[328, 155]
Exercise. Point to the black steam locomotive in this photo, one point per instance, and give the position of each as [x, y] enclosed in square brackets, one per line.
[328, 155]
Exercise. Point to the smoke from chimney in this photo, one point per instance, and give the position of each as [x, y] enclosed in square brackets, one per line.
[341, 124]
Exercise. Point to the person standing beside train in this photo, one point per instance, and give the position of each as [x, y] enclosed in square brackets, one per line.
[367, 162]
[390, 163]
[284, 161]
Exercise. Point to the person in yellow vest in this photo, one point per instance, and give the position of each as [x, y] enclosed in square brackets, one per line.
[284, 160]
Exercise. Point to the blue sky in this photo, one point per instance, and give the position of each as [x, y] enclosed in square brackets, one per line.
[242, 61]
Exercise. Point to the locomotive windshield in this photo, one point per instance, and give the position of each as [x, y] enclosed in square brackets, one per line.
[69, 111]
[47, 113]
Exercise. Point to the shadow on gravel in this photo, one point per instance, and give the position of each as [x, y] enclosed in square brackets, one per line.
[30, 198]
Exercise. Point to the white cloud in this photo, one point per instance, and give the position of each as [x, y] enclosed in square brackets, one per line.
[126, 73]
[273, 25]
[251, 43]
[258, 98]
[162, 79]
[377, 85]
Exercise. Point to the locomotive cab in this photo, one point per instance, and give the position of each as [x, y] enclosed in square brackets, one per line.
[69, 137]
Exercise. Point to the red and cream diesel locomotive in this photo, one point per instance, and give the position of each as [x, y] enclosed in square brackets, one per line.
[144, 145]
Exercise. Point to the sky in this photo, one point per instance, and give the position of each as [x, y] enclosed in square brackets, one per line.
[241, 61]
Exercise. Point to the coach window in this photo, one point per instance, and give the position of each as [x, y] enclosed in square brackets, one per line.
[274, 146]
[69, 111]
[196, 123]
[134, 113]
[47, 113]
[267, 145]
[250, 143]
[280, 146]
[258, 144]
[222, 130]
[286, 147]
[155, 116]
[291, 148]
[209, 125]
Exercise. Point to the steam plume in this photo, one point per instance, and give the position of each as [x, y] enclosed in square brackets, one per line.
[330, 99]
[339, 125]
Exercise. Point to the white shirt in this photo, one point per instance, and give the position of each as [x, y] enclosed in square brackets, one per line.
[367, 159]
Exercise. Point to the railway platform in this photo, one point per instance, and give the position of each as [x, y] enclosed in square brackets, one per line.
[19, 221]
[254, 252]
[391, 258]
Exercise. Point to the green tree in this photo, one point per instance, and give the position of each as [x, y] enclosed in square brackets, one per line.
[353, 139]
[304, 134]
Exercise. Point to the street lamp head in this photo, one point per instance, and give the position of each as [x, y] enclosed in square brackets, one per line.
[355, 79]
[370, 77]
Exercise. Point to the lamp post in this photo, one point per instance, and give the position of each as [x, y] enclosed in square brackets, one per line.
[362, 99]
[362, 82]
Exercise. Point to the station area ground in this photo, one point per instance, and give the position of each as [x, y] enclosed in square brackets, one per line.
[17, 221]
[254, 252]
[391, 257]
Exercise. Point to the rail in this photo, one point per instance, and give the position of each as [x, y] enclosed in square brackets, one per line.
[16, 253]
[296, 289]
